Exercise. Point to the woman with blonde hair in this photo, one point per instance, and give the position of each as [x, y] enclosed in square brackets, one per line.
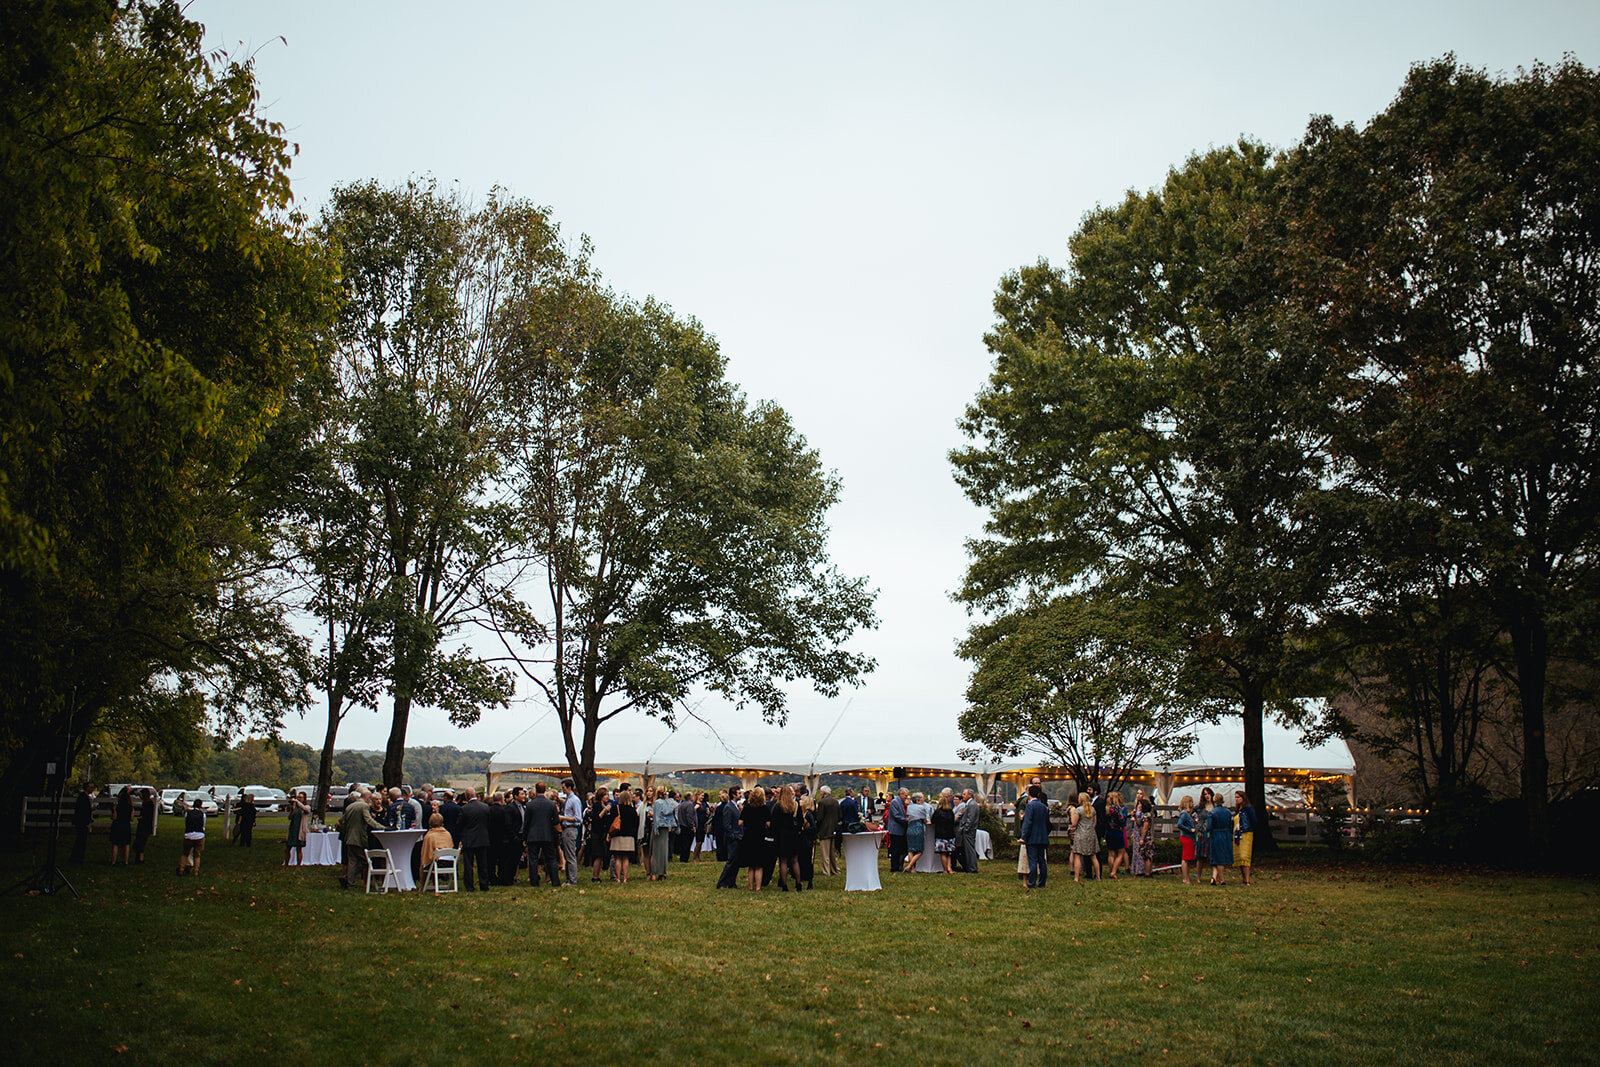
[756, 845]
[1187, 828]
[1085, 843]
[918, 813]
[785, 828]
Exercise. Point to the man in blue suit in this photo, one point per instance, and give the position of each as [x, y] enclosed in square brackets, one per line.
[1036, 836]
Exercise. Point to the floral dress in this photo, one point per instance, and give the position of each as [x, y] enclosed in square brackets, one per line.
[1144, 854]
[1138, 829]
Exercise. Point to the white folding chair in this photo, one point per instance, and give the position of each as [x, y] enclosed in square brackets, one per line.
[443, 867]
[378, 865]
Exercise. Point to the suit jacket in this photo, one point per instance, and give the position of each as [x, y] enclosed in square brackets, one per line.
[895, 822]
[472, 824]
[967, 817]
[1100, 817]
[827, 810]
[1036, 823]
[451, 811]
[686, 816]
[511, 818]
[541, 819]
[356, 824]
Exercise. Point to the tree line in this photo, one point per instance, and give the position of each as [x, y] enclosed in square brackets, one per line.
[1310, 434]
[411, 452]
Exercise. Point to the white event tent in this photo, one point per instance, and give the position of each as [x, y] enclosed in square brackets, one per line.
[1217, 757]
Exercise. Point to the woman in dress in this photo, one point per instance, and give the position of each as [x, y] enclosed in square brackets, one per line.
[1136, 835]
[663, 821]
[1145, 854]
[1085, 842]
[624, 830]
[1244, 833]
[145, 826]
[1202, 839]
[808, 840]
[918, 815]
[944, 831]
[1116, 834]
[702, 819]
[1188, 827]
[122, 827]
[756, 844]
[784, 828]
[1219, 821]
[597, 827]
[299, 823]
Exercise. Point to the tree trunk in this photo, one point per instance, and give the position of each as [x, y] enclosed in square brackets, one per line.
[1255, 764]
[394, 757]
[1530, 646]
[325, 767]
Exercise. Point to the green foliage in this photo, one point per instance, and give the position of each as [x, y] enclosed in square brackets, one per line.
[678, 532]
[1142, 439]
[1091, 684]
[1446, 253]
[154, 304]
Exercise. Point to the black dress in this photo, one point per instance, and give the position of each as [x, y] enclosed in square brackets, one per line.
[785, 833]
[122, 821]
[754, 848]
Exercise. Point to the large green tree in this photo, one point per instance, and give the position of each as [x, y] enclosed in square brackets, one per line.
[1449, 254]
[155, 301]
[404, 529]
[675, 532]
[1095, 688]
[1142, 435]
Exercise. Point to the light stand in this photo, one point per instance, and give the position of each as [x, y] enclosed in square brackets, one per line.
[48, 879]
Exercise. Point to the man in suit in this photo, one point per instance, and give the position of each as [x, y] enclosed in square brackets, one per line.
[449, 810]
[729, 830]
[1036, 837]
[894, 822]
[827, 826]
[472, 831]
[355, 831]
[967, 832]
[571, 827]
[542, 819]
[512, 843]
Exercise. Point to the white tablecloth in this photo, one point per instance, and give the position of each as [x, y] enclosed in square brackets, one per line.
[400, 844]
[861, 861]
[322, 850]
[928, 862]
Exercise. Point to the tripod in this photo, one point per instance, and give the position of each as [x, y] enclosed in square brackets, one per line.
[44, 880]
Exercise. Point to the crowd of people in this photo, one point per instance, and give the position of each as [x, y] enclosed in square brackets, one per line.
[1209, 832]
[782, 836]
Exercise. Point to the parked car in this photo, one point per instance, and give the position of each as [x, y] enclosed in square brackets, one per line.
[168, 796]
[265, 797]
[220, 793]
[203, 800]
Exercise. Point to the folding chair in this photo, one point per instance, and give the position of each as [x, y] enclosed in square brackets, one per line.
[378, 864]
[443, 867]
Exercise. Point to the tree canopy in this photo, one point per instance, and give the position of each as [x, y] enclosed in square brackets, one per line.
[155, 303]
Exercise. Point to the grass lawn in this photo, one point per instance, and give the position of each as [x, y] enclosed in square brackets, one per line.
[1316, 963]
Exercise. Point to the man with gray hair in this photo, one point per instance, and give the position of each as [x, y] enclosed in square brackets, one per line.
[827, 827]
[967, 832]
[894, 823]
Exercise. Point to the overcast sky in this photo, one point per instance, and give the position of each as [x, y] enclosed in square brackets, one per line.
[834, 190]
